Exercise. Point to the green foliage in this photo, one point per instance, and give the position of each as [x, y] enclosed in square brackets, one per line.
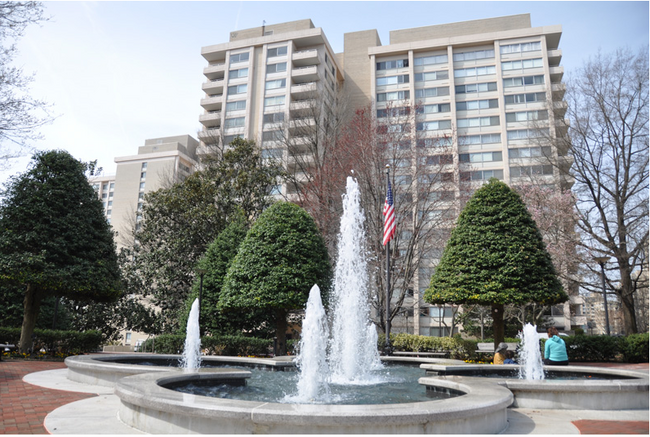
[634, 348]
[495, 255]
[590, 347]
[457, 347]
[57, 342]
[229, 345]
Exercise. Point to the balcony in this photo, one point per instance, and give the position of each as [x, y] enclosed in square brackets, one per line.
[554, 57]
[209, 135]
[214, 86]
[305, 74]
[556, 74]
[211, 119]
[304, 58]
[559, 108]
[212, 103]
[301, 108]
[303, 91]
[558, 90]
[215, 71]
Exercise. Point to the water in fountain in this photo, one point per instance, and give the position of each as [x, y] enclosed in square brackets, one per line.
[312, 360]
[530, 356]
[191, 359]
[353, 345]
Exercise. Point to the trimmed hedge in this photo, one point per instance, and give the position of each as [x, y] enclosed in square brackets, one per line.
[231, 345]
[57, 342]
[634, 348]
[457, 347]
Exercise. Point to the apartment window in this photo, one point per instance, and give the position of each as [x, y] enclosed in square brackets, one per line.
[140, 206]
[522, 134]
[109, 212]
[477, 104]
[239, 105]
[276, 51]
[434, 142]
[234, 122]
[522, 64]
[481, 175]
[402, 111]
[276, 68]
[477, 54]
[526, 116]
[529, 152]
[432, 92]
[403, 180]
[272, 135]
[476, 88]
[141, 186]
[276, 190]
[105, 186]
[236, 74]
[429, 60]
[523, 80]
[230, 138]
[110, 203]
[239, 57]
[434, 109]
[104, 195]
[531, 170]
[274, 101]
[479, 139]
[431, 75]
[524, 47]
[514, 99]
[394, 95]
[140, 196]
[112, 186]
[393, 80]
[238, 89]
[276, 117]
[276, 84]
[433, 125]
[438, 312]
[272, 153]
[183, 167]
[480, 157]
[478, 121]
[437, 160]
[475, 71]
[389, 65]
[143, 175]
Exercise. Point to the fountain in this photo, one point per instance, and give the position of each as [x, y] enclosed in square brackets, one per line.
[530, 356]
[191, 360]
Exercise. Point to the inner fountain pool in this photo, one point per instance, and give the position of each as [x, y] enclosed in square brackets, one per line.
[393, 384]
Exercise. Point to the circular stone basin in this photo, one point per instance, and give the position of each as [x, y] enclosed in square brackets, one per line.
[570, 387]
[148, 405]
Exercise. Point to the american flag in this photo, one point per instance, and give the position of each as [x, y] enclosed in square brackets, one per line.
[389, 216]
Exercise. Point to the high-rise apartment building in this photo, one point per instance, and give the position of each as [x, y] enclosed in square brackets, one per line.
[490, 90]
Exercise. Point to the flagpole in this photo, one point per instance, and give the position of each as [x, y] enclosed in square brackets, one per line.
[387, 347]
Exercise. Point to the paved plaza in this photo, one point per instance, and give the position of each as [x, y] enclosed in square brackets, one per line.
[37, 398]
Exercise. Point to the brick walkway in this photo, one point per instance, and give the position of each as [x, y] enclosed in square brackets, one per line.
[23, 406]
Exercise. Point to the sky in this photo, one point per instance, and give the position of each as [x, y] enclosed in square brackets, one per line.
[118, 73]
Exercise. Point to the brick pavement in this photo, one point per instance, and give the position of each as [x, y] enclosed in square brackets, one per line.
[23, 406]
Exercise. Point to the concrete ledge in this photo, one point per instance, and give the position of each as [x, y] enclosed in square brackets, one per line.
[153, 409]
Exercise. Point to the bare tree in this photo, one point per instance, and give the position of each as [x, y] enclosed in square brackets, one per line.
[608, 139]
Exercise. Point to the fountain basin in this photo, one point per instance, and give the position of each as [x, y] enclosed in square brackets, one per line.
[106, 370]
[584, 388]
[150, 407]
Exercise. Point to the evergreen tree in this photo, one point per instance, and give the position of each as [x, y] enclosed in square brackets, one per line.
[54, 239]
[495, 256]
[281, 258]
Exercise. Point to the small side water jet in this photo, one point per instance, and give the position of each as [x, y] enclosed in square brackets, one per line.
[530, 356]
[191, 359]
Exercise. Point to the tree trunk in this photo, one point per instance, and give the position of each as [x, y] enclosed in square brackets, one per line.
[31, 305]
[281, 332]
[626, 295]
[497, 325]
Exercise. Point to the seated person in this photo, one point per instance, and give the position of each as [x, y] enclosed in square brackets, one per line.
[555, 350]
[510, 358]
[500, 353]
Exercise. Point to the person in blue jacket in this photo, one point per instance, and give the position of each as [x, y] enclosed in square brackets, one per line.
[555, 350]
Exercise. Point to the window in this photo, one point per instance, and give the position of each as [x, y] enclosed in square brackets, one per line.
[475, 71]
[432, 92]
[141, 186]
[437, 160]
[230, 138]
[433, 109]
[525, 47]
[479, 139]
[140, 196]
[523, 80]
[274, 101]
[272, 135]
[239, 57]
[433, 125]
[514, 99]
[276, 68]
[393, 112]
[393, 80]
[522, 134]
[481, 175]
[96, 187]
[429, 60]
[105, 186]
[476, 88]
[234, 122]
[440, 312]
[394, 95]
[112, 186]
[276, 84]
[526, 116]
[238, 89]
[110, 203]
[389, 65]
[276, 117]
[478, 121]
[529, 152]
[104, 195]
[239, 105]
[522, 64]
[480, 157]
[477, 104]
[235, 74]
[434, 142]
[431, 75]
[276, 51]
[403, 180]
[143, 175]
[531, 170]
[470, 56]
[272, 153]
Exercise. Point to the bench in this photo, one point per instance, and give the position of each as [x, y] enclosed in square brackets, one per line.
[488, 348]
[422, 354]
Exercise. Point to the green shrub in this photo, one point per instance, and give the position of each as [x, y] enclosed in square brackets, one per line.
[231, 345]
[634, 348]
[591, 347]
[455, 346]
[57, 342]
